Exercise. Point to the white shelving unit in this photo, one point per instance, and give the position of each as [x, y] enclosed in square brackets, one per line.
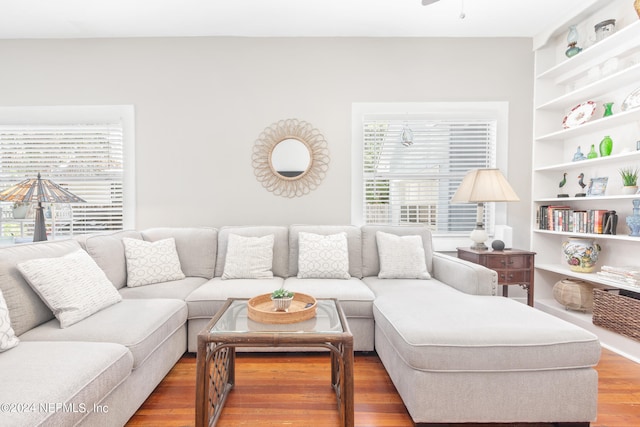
[605, 71]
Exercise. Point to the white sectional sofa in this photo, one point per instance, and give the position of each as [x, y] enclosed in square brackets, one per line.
[455, 352]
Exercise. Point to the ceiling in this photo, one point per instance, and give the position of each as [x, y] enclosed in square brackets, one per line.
[280, 18]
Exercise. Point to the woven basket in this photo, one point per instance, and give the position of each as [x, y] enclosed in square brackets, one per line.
[616, 312]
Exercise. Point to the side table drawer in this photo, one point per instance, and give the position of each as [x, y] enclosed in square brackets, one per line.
[512, 276]
[514, 261]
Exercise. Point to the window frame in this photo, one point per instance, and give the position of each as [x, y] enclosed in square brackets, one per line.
[88, 114]
[426, 110]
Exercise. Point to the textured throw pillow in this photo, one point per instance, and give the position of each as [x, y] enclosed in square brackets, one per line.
[151, 262]
[401, 257]
[249, 257]
[323, 257]
[72, 286]
[8, 338]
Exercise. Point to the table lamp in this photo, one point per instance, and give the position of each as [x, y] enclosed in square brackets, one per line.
[480, 186]
[41, 191]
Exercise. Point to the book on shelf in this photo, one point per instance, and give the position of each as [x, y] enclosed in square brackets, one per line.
[563, 218]
[627, 275]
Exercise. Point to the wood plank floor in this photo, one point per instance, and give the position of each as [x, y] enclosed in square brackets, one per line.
[264, 396]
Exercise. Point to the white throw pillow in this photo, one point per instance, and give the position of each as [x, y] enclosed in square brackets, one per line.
[401, 257]
[249, 257]
[323, 257]
[151, 262]
[8, 338]
[72, 286]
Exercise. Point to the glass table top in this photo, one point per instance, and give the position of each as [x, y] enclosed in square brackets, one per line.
[235, 320]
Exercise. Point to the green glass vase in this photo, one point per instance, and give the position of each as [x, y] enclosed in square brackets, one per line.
[606, 145]
[607, 109]
[592, 153]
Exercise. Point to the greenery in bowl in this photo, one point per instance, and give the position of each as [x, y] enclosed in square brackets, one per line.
[629, 176]
[281, 293]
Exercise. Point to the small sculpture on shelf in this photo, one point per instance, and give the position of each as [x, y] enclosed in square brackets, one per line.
[610, 223]
[563, 182]
[579, 156]
[582, 185]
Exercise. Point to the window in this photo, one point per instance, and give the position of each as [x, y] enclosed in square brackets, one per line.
[84, 150]
[411, 182]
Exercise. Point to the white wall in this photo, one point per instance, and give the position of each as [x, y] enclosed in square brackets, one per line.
[200, 104]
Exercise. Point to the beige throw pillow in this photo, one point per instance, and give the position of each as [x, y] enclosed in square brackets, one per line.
[151, 262]
[323, 257]
[8, 338]
[249, 257]
[72, 286]
[401, 257]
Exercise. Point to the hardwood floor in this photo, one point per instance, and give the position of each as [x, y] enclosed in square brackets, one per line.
[293, 390]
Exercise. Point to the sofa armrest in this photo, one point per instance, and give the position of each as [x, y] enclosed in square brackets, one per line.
[464, 276]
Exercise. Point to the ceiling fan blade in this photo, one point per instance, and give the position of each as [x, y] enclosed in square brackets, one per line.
[428, 2]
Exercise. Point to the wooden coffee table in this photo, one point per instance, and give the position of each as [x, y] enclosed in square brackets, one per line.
[231, 328]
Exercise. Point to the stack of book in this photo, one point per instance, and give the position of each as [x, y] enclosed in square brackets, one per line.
[563, 218]
[629, 275]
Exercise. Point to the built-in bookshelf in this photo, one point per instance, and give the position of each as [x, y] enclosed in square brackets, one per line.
[605, 71]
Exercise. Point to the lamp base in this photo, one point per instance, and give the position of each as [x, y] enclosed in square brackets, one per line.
[479, 236]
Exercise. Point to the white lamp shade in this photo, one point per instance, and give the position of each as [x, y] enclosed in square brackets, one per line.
[484, 185]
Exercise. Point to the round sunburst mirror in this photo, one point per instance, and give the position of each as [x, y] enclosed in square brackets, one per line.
[290, 158]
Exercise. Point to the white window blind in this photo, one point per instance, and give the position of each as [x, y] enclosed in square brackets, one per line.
[413, 183]
[86, 159]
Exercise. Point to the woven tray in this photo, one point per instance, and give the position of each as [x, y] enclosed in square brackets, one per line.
[616, 312]
[260, 309]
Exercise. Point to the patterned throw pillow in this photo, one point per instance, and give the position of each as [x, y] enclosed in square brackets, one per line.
[323, 257]
[8, 338]
[249, 257]
[401, 257]
[151, 262]
[72, 286]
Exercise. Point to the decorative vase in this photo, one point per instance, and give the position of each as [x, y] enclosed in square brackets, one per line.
[574, 294]
[581, 253]
[281, 304]
[608, 109]
[20, 212]
[633, 221]
[606, 146]
[592, 154]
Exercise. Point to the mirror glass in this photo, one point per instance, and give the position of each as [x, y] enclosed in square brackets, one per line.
[290, 158]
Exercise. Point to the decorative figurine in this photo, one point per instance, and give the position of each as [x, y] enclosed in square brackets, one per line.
[579, 156]
[582, 185]
[562, 184]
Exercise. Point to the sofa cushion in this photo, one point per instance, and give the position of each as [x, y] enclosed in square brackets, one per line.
[280, 266]
[355, 297]
[401, 257]
[249, 257]
[205, 301]
[175, 289]
[8, 337]
[46, 375]
[26, 309]
[354, 244]
[197, 248]
[72, 286]
[323, 257]
[437, 328]
[141, 325]
[108, 252]
[151, 262]
[370, 256]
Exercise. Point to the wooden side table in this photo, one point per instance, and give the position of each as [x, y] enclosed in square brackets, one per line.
[514, 267]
